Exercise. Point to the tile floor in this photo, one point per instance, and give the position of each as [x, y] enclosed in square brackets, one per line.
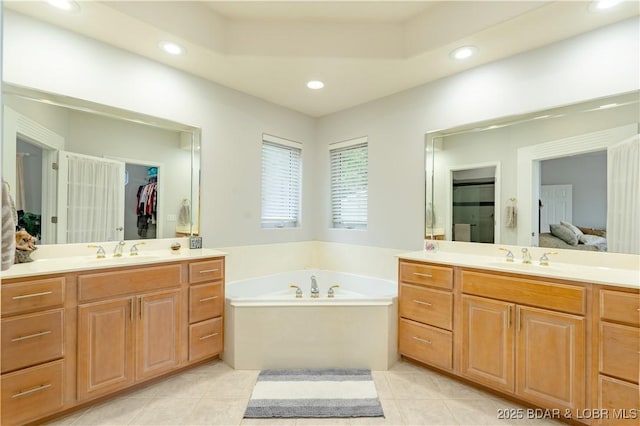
[215, 394]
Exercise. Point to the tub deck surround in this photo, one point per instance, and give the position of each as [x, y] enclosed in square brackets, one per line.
[267, 327]
[493, 323]
[75, 330]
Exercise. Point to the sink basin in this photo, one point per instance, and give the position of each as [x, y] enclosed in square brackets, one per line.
[531, 267]
[124, 259]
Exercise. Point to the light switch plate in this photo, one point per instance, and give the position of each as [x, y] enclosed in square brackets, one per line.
[195, 242]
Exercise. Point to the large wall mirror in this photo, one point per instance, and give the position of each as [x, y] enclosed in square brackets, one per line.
[83, 172]
[528, 179]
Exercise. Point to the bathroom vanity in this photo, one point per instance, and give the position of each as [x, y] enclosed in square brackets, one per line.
[568, 346]
[100, 326]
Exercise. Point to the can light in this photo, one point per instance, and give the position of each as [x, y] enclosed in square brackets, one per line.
[604, 4]
[463, 52]
[172, 48]
[315, 85]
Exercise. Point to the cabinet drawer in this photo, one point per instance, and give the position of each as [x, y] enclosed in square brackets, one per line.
[205, 301]
[620, 351]
[32, 339]
[620, 307]
[205, 339]
[423, 274]
[433, 307]
[555, 296]
[424, 343]
[618, 398]
[209, 270]
[31, 393]
[31, 295]
[127, 281]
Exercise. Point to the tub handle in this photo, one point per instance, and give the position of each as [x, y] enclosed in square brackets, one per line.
[331, 293]
[206, 299]
[427, 342]
[298, 291]
[420, 302]
[420, 274]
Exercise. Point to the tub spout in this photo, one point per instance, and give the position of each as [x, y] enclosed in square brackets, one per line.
[315, 291]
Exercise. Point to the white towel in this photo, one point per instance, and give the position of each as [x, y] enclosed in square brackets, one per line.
[184, 216]
[8, 228]
[462, 232]
[511, 215]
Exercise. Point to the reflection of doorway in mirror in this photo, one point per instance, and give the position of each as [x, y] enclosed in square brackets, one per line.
[473, 205]
[141, 201]
[28, 187]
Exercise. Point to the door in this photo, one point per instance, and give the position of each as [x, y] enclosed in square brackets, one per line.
[557, 205]
[105, 346]
[90, 198]
[488, 342]
[158, 331]
[551, 358]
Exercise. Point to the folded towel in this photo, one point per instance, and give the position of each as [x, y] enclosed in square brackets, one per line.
[8, 228]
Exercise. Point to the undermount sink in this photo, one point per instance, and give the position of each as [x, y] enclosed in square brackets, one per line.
[523, 266]
[124, 259]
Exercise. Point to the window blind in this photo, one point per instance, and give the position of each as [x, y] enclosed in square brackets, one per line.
[349, 185]
[281, 183]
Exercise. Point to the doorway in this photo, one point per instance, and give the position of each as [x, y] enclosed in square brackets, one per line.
[474, 205]
[141, 219]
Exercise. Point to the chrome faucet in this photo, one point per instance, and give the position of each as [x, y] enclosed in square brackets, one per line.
[315, 291]
[117, 252]
[526, 256]
[544, 259]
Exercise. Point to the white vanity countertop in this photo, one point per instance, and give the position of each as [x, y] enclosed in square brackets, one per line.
[56, 265]
[620, 277]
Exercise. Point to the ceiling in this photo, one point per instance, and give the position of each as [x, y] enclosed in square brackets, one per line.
[361, 50]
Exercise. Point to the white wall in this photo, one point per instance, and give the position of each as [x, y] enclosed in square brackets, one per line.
[232, 123]
[596, 64]
[593, 65]
[588, 175]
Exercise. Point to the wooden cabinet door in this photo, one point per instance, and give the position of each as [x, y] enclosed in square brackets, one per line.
[551, 358]
[158, 333]
[488, 342]
[105, 346]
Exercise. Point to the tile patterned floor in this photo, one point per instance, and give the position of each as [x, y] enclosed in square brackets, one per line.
[215, 394]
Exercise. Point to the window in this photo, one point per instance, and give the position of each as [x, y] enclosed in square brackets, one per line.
[281, 182]
[349, 183]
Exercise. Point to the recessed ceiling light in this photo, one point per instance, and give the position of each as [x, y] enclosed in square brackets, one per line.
[66, 5]
[604, 4]
[607, 106]
[463, 52]
[315, 84]
[172, 48]
[540, 117]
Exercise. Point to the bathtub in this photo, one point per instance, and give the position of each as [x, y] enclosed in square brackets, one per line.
[266, 326]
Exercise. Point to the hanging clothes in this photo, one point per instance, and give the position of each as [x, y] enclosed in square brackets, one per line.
[146, 207]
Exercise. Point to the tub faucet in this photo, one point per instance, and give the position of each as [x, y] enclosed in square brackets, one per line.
[315, 291]
[526, 256]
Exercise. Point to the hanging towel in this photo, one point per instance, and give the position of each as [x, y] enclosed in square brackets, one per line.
[430, 219]
[462, 232]
[184, 216]
[8, 228]
[511, 215]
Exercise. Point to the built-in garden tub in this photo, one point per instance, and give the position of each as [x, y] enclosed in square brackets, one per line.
[267, 326]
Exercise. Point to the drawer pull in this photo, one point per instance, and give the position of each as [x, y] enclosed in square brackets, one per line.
[208, 336]
[26, 296]
[427, 342]
[423, 275]
[208, 298]
[420, 302]
[31, 336]
[32, 390]
[208, 271]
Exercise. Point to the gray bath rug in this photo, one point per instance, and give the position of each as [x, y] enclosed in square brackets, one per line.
[314, 393]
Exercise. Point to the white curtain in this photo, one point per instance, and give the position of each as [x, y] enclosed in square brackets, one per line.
[94, 198]
[623, 197]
